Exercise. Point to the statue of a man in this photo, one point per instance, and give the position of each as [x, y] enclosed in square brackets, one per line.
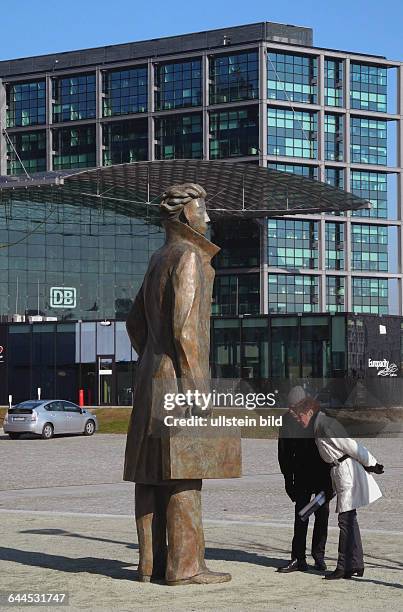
[169, 328]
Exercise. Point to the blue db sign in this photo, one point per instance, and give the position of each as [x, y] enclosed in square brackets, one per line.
[63, 297]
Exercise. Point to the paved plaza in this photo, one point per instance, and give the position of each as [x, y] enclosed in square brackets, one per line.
[66, 525]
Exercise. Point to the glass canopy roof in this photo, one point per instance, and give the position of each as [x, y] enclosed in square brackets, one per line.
[233, 189]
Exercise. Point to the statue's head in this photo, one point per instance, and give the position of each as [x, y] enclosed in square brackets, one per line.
[185, 203]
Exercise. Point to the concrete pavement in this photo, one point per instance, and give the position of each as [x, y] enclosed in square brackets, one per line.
[94, 558]
[66, 525]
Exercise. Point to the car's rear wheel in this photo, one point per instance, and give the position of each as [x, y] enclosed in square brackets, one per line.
[47, 431]
[14, 436]
[89, 428]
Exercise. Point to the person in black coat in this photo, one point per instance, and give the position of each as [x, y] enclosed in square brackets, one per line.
[305, 473]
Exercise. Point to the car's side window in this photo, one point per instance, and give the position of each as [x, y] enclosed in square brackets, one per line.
[54, 407]
[70, 407]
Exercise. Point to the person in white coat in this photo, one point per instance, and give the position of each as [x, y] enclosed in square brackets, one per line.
[354, 485]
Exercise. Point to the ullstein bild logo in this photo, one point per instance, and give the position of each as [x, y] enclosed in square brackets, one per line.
[63, 297]
[384, 367]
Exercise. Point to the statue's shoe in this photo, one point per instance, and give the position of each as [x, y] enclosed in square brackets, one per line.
[206, 577]
[143, 578]
[147, 578]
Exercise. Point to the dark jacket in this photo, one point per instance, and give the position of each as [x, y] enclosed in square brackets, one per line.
[299, 459]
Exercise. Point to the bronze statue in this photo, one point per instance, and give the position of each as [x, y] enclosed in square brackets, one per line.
[169, 328]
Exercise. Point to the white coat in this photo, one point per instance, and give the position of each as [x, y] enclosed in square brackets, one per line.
[354, 486]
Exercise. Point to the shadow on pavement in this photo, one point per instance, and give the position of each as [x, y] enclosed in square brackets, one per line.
[111, 568]
[69, 534]
[395, 585]
[220, 554]
[216, 554]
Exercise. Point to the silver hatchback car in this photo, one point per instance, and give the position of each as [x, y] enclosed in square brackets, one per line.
[47, 418]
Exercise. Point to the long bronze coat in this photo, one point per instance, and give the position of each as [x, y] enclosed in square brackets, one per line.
[169, 326]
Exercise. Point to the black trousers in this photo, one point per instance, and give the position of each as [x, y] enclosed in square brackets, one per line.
[350, 546]
[319, 536]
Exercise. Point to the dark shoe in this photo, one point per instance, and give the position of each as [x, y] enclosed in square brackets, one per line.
[296, 565]
[320, 565]
[335, 575]
[206, 577]
[354, 572]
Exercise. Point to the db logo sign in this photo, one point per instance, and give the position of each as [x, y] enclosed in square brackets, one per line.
[63, 297]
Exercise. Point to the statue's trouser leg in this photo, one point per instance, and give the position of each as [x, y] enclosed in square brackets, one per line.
[185, 531]
[150, 507]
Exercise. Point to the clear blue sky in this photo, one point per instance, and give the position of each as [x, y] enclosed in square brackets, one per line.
[34, 27]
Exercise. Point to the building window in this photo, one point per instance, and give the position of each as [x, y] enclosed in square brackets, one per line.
[236, 294]
[335, 246]
[179, 85]
[239, 241]
[368, 141]
[179, 137]
[372, 186]
[26, 104]
[334, 137]
[369, 87]
[370, 295]
[307, 171]
[292, 77]
[234, 77]
[293, 293]
[31, 149]
[334, 82]
[335, 177]
[234, 133]
[75, 147]
[125, 91]
[292, 244]
[369, 244]
[292, 133]
[335, 293]
[125, 141]
[75, 98]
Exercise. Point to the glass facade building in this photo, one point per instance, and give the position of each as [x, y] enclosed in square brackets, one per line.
[74, 98]
[292, 77]
[125, 141]
[292, 244]
[292, 133]
[234, 77]
[26, 104]
[179, 136]
[234, 133]
[178, 85]
[26, 150]
[237, 94]
[74, 147]
[62, 357]
[100, 253]
[125, 91]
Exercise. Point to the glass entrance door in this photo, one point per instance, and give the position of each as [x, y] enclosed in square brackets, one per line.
[105, 380]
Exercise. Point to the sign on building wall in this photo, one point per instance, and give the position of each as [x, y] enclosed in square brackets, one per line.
[63, 297]
[374, 347]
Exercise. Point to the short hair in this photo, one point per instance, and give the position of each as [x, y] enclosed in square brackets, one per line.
[176, 197]
[305, 405]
